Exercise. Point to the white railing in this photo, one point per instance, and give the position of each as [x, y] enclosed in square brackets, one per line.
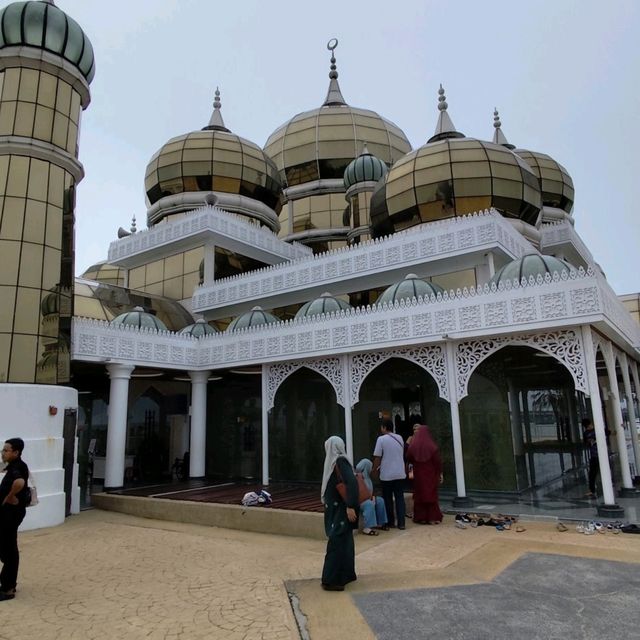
[406, 249]
[205, 219]
[562, 300]
[555, 233]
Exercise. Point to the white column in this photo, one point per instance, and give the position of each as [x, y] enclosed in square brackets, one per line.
[265, 426]
[117, 424]
[209, 263]
[348, 418]
[198, 441]
[461, 490]
[631, 411]
[598, 419]
[617, 413]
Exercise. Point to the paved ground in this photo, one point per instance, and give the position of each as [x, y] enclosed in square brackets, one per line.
[110, 576]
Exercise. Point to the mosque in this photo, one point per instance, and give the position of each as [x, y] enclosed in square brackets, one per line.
[286, 293]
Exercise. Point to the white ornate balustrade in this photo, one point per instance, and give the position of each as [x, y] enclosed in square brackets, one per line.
[530, 306]
[197, 227]
[563, 235]
[455, 244]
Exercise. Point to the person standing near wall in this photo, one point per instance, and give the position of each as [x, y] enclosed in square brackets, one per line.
[388, 461]
[13, 502]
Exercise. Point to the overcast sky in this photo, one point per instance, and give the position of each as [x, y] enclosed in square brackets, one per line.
[563, 74]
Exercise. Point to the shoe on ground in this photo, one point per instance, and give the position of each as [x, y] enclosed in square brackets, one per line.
[7, 595]
[332, 587]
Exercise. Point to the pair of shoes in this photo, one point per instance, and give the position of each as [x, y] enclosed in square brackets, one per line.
[371, 532]
[332, 587]
[562, 527]
[630, 528]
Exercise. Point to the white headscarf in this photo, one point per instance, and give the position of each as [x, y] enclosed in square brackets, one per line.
[334, 449]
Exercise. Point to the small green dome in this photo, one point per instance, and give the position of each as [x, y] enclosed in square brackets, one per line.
[326, 303]
[253, 318]
[365, 168]
[138, 317]
[410, 287]
[43, 26]
[198, 329]
[530, 265]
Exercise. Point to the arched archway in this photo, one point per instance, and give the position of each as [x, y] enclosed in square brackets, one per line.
[402, 388]
[520, 425]
[304, 415]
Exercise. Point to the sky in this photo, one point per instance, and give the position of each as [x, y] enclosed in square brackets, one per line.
[562, 73]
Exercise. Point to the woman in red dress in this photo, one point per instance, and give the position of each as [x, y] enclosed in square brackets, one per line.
[424, 455]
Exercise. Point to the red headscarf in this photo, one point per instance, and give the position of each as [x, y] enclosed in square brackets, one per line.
[423, 446]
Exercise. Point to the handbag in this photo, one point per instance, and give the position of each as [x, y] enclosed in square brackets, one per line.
[364, 493]
[31, 493]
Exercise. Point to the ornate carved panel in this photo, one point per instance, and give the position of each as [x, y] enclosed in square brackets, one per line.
[431, 358]
[565, 346]
[329, 368]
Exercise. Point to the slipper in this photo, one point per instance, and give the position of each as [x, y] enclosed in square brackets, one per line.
[371, 532]
[562, 527]
[520, 529]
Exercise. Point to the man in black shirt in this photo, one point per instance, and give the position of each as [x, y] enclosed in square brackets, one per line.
[13, 502]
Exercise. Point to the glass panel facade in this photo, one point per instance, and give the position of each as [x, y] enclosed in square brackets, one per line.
[36, 236]
[37, 104]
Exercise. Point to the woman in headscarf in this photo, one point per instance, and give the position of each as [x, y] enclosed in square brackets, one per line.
[373, 510]
[340, 516]
[424, 455]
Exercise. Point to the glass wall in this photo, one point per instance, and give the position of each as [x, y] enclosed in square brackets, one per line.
[305, 414]
[402, 389]
[37, 201]
[234, 427]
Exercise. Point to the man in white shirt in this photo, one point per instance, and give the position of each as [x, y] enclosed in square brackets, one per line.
[388, 459]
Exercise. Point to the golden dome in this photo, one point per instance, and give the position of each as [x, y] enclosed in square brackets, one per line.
[453, 175]
[319, 144]
[555, 182]
[213, 159]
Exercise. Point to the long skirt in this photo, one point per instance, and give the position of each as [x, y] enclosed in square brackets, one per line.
[373, 514]
[340, 560]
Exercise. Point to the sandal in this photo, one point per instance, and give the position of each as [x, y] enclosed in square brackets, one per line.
[562, 527]
[371, 532]
[520, 529]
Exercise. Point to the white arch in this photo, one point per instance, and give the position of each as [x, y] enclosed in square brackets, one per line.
[329, 368]
[431, 358]
[565, 346]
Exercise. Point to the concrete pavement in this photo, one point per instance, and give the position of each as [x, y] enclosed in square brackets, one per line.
[104, 575]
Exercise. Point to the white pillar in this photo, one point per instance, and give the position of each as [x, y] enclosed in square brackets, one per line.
[598, 420]
[461, 498]
[117, 424]
[348, 418]
[631, 411]
[209, 263]
[198, 440]
[265, 426]
[617, 413]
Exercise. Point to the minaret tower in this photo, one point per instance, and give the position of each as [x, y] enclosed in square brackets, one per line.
[46, 65]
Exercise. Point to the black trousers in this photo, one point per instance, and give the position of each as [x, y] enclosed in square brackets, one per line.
[393, 490]
[10, 519]
[594, 470]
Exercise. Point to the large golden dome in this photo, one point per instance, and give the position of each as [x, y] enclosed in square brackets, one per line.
[211, 160]
[453, 175]
[319, 144]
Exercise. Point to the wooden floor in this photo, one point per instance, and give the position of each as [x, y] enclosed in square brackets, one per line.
[284, 496]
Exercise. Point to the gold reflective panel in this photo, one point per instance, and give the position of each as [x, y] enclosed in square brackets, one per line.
[213, 160]
[455, 177]
[555, 182]
[332, 133]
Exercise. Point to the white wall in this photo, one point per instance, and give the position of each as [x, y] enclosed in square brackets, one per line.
[25, 414]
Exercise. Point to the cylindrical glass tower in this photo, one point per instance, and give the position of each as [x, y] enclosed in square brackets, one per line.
[46, 65]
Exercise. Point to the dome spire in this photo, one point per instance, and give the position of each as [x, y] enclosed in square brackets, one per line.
[216, 123]
[334, 95]
[133, 224]
[498, 136]
[445, 127]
